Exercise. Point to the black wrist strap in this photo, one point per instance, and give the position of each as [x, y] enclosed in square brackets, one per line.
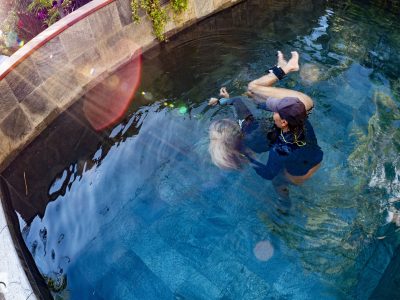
[278, 72]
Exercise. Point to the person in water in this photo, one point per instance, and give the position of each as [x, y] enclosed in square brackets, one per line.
[294, 154]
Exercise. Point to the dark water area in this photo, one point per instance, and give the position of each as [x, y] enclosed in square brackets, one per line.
[138, 211]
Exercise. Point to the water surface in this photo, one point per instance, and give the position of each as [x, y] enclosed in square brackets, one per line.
[139, 211]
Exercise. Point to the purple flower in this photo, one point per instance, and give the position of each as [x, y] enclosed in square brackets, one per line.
[42, 14]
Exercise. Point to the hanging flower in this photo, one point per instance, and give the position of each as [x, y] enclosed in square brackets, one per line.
[42, 14]
[20, 23]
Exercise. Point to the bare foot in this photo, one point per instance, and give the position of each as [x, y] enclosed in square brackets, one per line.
[293, 63]
[281, 60]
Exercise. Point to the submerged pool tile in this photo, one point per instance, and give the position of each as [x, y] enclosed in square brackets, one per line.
[143, 283]
[194, 233]
[81, 288]
[198, 286]
[107, 248]
[235, 280]
[170, 266]
[149, 208]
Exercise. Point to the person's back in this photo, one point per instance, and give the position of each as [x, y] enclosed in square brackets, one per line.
[295, 156]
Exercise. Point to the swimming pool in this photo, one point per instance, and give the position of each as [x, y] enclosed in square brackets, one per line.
[139, 211]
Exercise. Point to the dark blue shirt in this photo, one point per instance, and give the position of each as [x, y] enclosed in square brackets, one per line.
[297, 160]
[284, 152]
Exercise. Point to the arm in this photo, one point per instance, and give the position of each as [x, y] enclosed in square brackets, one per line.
[223, 101]
[241, 110]
[271, 169]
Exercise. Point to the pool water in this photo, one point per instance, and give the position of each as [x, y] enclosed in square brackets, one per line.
[140, 212]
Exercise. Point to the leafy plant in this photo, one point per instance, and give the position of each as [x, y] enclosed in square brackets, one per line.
[178, 6]
[50, 11]
[158, 16]
[156, 13]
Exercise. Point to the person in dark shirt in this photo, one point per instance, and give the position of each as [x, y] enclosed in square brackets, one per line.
[294, 154]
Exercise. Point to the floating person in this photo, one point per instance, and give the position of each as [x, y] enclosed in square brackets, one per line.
[294, 154]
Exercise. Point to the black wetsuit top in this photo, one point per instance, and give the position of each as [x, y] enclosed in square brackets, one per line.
[284, 153]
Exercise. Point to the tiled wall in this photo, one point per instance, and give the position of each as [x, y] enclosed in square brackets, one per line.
[78, 51]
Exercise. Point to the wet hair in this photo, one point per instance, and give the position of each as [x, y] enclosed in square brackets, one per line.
[298, 130]
[224, 148]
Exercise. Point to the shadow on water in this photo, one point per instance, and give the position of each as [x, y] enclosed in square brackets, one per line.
[138, 209]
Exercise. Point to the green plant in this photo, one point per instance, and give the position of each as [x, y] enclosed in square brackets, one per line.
[50, 11]
[45, 11]
[178, 6]
[135, 4]
[156, 13]
[158, 16]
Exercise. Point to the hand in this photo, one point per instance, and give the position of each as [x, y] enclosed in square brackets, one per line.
[213, 101]
[223, 92]
[249, 94]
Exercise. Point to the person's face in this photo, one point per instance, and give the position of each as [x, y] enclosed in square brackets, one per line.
[279, 122]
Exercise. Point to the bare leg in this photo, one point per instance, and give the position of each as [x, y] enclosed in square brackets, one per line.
[291, 66]
[262, 88]
[281, 186]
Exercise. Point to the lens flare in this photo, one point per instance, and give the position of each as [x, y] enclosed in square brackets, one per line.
[147, 95]
[310, 73]
[263, 250]
[106, 103]
[182, 110]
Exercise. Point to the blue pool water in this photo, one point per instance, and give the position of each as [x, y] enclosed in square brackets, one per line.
[140, 212]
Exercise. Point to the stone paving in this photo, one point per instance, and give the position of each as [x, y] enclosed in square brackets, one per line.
[13, 281]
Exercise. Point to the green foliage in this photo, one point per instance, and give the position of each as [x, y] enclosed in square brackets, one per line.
[178, 6]
[52, 12]
[135, 10]
[156, 13]
[54, 16]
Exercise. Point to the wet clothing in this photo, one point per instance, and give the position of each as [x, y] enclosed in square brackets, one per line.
[254, 129]
[286, 151]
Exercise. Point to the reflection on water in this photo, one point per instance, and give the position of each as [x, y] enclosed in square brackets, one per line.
[139, 211]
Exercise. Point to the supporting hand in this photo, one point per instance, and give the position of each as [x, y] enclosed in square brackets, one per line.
[213, 101]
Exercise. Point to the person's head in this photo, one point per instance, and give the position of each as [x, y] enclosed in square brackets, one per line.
[225, 143]
[290, 113]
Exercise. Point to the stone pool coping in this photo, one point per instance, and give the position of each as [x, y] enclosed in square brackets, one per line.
[51, 72]
[45, 36]
[14, 283]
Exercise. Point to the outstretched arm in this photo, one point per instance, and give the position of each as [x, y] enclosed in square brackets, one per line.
[241, 110]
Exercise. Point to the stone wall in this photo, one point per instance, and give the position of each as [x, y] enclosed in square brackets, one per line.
[57, 67]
